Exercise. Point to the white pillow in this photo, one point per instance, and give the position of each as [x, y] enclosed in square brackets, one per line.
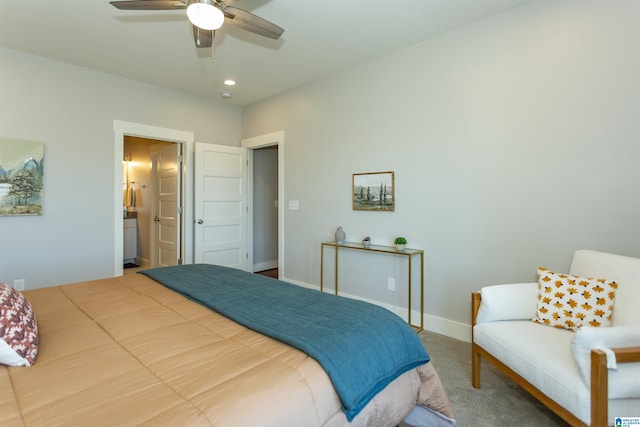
[623, 381]
[518, 301]
[9, 357]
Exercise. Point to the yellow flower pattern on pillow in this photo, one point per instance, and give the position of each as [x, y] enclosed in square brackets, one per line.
[570, 302]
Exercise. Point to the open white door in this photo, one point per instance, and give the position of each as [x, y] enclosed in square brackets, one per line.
[220, 197]
[166, 210]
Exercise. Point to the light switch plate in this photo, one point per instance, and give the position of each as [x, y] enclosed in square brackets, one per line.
[294, 205]
[391, 284]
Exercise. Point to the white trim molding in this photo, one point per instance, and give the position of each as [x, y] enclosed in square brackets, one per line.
[122, 128]
[275, 138]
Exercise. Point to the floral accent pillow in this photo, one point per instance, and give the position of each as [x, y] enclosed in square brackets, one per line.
[18, 329]
[570, 302]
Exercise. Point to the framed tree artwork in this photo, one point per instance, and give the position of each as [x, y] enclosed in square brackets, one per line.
[21, 177]
[373, 191]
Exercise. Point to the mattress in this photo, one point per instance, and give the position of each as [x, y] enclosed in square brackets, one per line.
[129, 351]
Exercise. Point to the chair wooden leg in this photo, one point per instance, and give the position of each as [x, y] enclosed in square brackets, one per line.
[475, 354]
[475, 367]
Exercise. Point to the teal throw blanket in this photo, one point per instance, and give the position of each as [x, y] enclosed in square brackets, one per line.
[361, 346]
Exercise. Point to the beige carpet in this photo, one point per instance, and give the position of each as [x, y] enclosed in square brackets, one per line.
[498, 402]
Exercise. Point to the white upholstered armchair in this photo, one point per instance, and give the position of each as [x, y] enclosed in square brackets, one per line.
[587, 368]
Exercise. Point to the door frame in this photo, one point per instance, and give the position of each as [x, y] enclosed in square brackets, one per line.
[186, 139]
[261, 141]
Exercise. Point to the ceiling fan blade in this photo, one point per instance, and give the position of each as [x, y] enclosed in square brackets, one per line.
[202, 38]
[250, 22]
[149, 4]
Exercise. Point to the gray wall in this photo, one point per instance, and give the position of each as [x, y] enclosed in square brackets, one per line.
[514, 142]
[72, 111]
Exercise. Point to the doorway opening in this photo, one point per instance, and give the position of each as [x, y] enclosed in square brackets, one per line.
[265, 210]
[168, 137]
[269, 148]
[152, 202]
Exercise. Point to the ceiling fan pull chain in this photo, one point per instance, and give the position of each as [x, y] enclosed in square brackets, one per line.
[213, 46]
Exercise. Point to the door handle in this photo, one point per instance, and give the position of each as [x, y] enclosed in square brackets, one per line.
[156, 219]
[200, 221]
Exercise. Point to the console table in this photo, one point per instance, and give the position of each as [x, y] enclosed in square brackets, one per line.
[408, 253]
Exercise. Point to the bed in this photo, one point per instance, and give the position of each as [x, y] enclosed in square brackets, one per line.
[132, 351]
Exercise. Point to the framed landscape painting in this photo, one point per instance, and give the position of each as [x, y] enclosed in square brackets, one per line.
[21, 177]
[373, 191]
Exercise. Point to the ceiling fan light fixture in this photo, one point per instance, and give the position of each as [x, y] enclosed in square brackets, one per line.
[205, 14]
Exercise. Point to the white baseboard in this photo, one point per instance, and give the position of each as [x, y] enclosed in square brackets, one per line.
[450, 328]
[439, 325]
[267, 265]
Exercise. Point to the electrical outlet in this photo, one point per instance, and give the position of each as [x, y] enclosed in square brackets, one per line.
[391, 284]
[18, 284]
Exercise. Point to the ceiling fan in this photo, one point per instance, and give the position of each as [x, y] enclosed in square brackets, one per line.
[207, 16]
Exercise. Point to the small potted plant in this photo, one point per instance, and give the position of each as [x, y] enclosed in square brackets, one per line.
[401, 243]
[366, 242]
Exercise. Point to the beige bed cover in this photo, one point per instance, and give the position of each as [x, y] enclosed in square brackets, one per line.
[128, 351]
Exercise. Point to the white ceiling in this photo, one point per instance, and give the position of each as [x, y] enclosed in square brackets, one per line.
[321, 37]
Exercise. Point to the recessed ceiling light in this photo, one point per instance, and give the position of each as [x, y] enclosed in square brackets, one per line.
[230, 82]
[226, 94]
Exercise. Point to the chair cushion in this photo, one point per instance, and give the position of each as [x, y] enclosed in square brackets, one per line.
[570, 302]
[624, 270]
[541, 355]
[623, 380]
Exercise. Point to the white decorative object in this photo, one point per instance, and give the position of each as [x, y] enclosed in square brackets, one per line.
[340, 235]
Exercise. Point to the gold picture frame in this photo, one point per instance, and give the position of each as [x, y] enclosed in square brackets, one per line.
[373, 191]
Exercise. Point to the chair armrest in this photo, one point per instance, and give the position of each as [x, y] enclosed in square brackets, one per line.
[600, 380]
[627, 354]
[517, 301]
[626, 341]
[476, 300]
